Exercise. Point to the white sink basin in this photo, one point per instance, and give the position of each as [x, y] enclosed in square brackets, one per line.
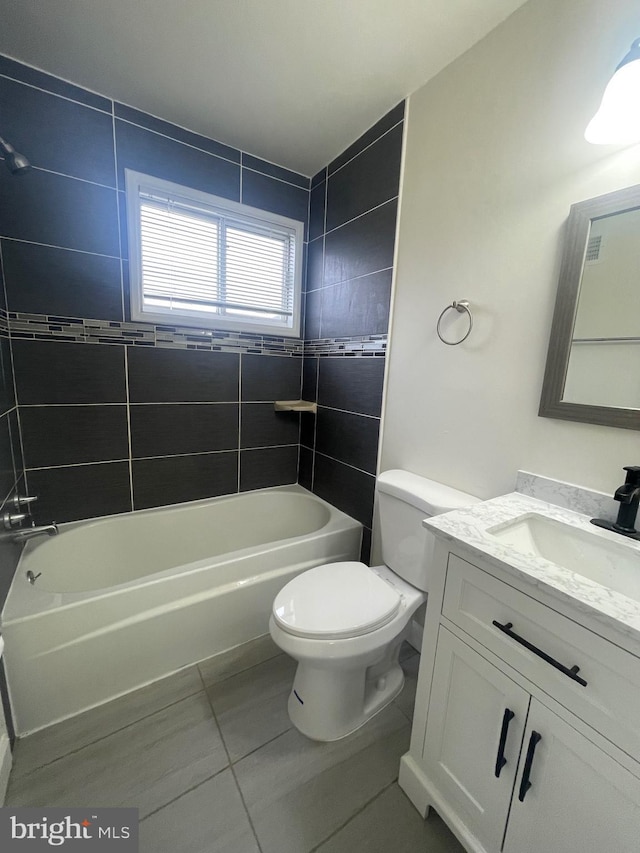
[592, 554]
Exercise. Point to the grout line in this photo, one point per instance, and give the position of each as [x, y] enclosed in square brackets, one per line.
[308, 240]
[349, 412]
[278, 166]
[236, 672]
[68, 405]
[73, 177]
[239, 415]
[347, 280]
[313, 186]
[351, 159]
[354, 815]
[13, 489]
[129, 445]
[258, 748]
[340, 462]
[23, 471]
[77, 465]
[246, 809]
[63, 248]
[115, 176]
[324, 248]
[300, 419]
[360, 215]
[231, 767]
[180, 141]
[183, 794]
[102, 110]
[166, 456]
[402, 711]
[315, 429]
[326, 204]
[12, 438]
[134, 403]
[275, 178]
[108, 734]
[267, 447]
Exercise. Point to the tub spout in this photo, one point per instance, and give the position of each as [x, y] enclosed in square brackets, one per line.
[30, 532]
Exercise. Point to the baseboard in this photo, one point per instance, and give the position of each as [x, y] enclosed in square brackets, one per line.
[423, 795]
[5, 766]
[411, 780]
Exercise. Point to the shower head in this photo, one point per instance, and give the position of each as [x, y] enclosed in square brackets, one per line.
[15, 162]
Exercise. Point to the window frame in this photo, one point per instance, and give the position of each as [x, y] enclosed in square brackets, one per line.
[137, 182]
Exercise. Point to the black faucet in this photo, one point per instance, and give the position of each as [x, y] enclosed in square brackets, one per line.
[629, 496]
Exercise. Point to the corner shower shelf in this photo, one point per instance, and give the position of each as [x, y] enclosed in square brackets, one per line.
[295, 406]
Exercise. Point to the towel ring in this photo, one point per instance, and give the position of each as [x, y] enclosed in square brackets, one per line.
[460, 306]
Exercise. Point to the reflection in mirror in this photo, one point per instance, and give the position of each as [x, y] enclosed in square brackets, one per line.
[593, 363]
[604, 359]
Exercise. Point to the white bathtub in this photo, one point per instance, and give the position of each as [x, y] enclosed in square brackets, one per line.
[125, 600]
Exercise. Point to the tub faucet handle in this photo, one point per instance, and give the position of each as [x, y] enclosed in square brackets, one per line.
[20, 501]
[10, 520]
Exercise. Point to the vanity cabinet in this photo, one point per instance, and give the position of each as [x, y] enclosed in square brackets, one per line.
[531, 734]
[474, 732]
[580, 798]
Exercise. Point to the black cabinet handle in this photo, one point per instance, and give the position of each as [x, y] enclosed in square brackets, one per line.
[571, 673]
[500, 759]
[525, 784]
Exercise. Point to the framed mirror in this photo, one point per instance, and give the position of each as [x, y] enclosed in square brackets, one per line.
[593, 363]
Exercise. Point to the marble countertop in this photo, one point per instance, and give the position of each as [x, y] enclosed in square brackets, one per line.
[468, 528]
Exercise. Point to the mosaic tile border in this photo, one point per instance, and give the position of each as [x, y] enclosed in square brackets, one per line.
[49, 328]
[361, 345]
[43, 327]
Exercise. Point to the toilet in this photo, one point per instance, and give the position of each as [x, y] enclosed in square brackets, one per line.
[345, 622]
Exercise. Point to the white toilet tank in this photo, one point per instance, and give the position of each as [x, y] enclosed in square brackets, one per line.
[404, 500]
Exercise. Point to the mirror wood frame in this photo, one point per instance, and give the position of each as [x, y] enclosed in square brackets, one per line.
[578, 226]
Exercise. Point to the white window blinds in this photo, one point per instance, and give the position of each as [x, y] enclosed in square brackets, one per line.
[214, 261]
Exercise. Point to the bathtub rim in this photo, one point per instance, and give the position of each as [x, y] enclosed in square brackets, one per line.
[25, 602]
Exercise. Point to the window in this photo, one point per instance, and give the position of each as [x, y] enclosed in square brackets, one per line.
[200, 260]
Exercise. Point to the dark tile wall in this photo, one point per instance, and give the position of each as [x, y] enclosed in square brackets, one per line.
[11, 478]
[352, 222]
[11, 467]
[108, 428]
[113, 427]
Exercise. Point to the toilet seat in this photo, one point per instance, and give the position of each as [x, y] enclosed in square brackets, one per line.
[335, 601]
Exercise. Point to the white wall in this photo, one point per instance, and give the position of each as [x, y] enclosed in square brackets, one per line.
[495, 157]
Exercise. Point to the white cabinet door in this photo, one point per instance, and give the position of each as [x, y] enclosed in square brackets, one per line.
[579, 800]
[473, 708]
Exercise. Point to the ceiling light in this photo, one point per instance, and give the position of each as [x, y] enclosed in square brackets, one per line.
[618, 118]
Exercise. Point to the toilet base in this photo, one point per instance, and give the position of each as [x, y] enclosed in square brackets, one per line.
[328, 703]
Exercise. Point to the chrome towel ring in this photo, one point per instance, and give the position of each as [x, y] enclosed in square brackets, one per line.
[460, 306]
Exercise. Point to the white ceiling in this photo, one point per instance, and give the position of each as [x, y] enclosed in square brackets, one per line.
[292, 81]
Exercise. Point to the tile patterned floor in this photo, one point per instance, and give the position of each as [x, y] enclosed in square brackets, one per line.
[212, 762]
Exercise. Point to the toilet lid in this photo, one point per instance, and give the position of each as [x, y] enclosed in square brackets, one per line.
[334, 601]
